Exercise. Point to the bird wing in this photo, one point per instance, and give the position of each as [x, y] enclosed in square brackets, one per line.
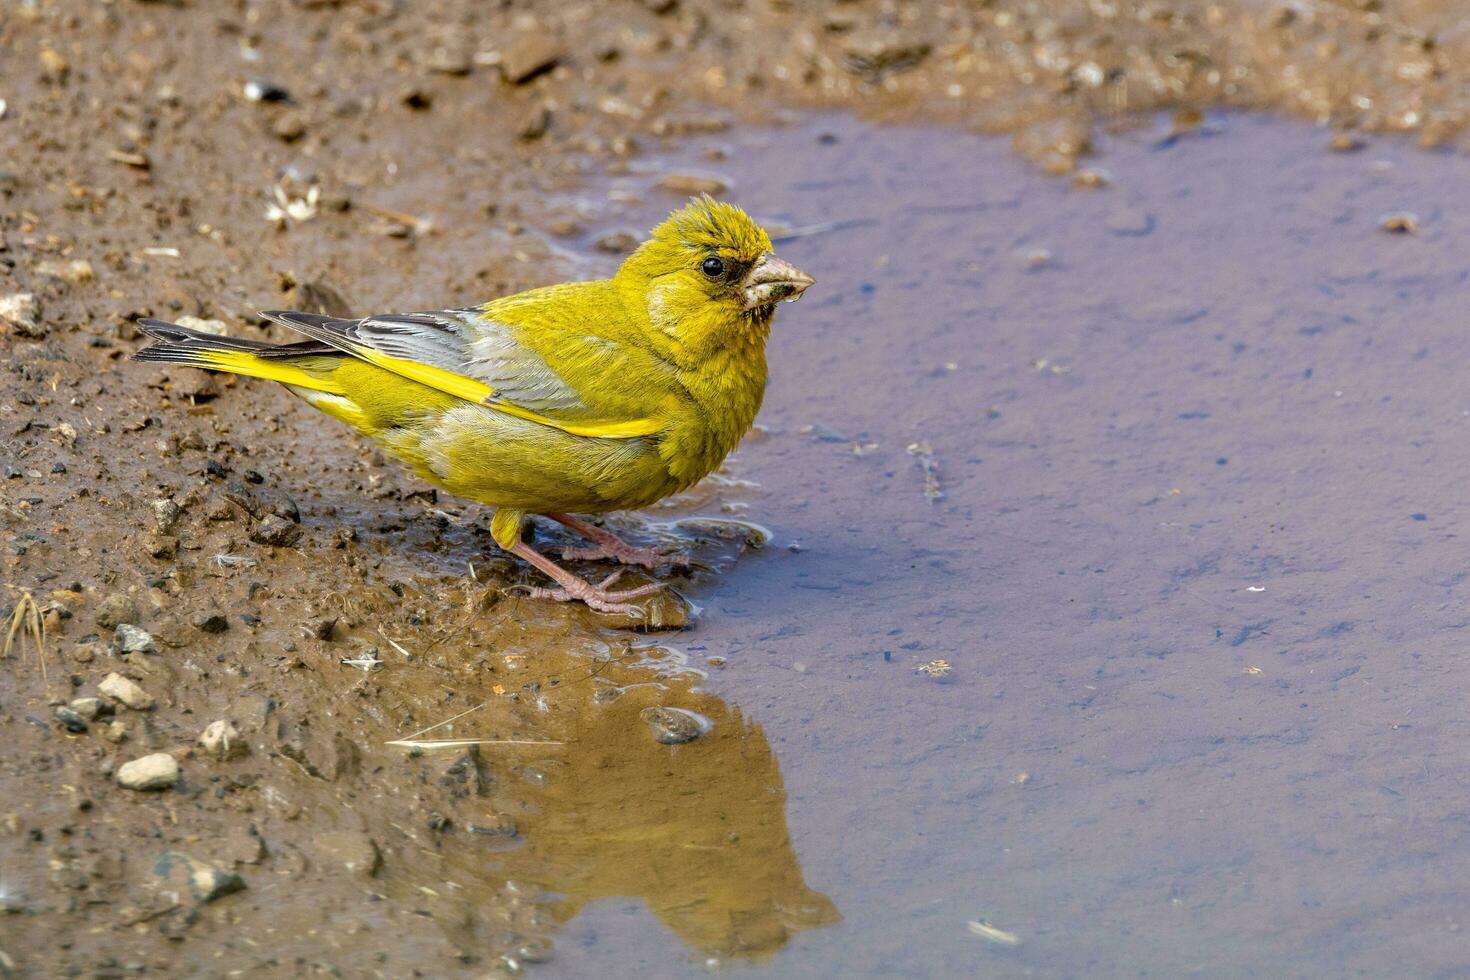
[465, 354]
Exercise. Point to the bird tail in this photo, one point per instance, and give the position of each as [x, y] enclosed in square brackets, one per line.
[174, 344]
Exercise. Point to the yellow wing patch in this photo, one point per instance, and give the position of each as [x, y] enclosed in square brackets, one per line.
[475, 391]
[446, 381]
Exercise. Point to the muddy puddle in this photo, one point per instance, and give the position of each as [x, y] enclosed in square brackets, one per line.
[1165, 474]
[1088, 603]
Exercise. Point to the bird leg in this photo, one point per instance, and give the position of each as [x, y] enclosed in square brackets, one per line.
[609, 545]
[571, 588]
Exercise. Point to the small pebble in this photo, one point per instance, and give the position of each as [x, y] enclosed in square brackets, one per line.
[133, 639]
[70, 719]
[88, 708]
[126, 691]
[211, 622]
[76, 271]
[257, 90]
[276, 531]
[115, 609]
[289, 128]
[528, 56]
[20, 314]
[54, 66]
[216, 328]
[166, 514]
[193, 880]
[1399, 222]
[157, 771]
[449, 61]
[223, 740]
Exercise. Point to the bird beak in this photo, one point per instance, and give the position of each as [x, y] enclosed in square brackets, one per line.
[771, 280]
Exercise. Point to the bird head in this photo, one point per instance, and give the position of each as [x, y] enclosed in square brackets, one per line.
[708, 275]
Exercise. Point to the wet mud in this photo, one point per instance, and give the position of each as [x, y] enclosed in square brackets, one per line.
[1086, 601]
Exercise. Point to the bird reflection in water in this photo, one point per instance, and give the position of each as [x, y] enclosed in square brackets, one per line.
[695, 830]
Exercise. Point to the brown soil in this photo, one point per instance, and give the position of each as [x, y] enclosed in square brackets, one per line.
[444, 153]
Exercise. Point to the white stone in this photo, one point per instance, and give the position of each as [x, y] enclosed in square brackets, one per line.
[217, 327]
[21, 313]
[222, 740]
[120, 688]
[157, 771]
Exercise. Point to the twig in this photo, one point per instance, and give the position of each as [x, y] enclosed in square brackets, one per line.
[453, 743]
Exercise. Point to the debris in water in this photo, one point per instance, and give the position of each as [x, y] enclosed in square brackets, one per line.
[924, 454]
[1399, 222]
[823, 433]
[366, 661]
[995, 935]
[675, 726]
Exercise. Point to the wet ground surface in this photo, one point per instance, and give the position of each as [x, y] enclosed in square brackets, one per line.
[1109, 618]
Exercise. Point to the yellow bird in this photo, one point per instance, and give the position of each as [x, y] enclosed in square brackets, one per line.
[585, 397]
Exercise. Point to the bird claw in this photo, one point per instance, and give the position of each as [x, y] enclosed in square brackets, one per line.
[594, 596]
[652, 558]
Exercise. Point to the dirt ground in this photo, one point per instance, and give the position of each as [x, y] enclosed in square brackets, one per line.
[242, 560]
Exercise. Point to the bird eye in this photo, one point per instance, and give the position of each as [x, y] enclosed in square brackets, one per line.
[713, 267]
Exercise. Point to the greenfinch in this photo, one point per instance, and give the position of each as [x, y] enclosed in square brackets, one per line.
[579, 398]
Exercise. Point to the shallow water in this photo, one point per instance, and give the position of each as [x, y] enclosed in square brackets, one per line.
[1196, 566]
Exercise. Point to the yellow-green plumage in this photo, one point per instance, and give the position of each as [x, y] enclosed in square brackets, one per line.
[583, 397]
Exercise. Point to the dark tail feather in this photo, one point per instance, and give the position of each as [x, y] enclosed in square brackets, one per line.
[174, 344]
[180, 345]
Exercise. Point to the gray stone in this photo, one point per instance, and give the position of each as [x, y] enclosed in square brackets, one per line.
[276, 531]
[133, 639]
[190, 881]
